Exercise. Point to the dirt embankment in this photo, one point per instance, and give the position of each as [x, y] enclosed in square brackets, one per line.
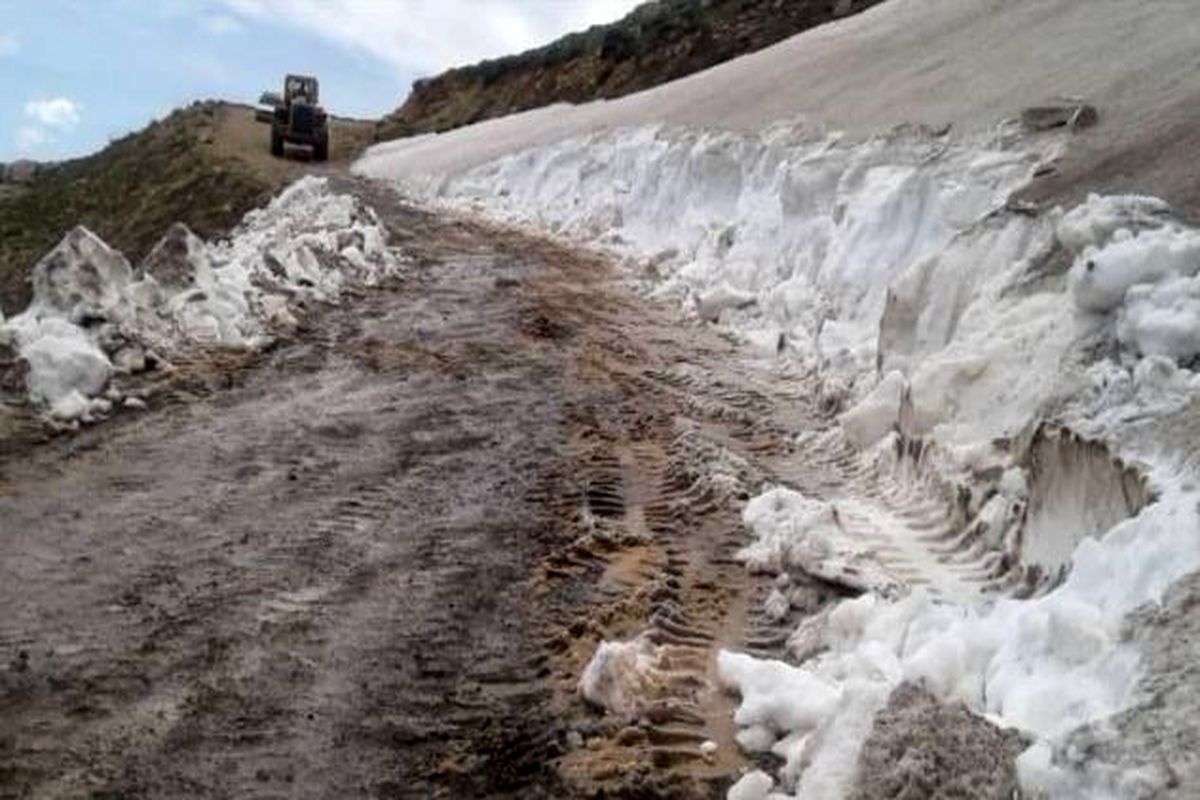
[205, 165]
[654, 44]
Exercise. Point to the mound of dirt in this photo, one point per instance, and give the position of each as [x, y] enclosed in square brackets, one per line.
[655, 43]
[920, 748]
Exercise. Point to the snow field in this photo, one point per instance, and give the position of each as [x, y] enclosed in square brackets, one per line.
[93, 316]
[896, 268]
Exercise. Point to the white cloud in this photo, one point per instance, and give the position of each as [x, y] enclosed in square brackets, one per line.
[43, 118]
[220, 24]
[426, 36]
[10, 45]
[30, 136]
[58, 112]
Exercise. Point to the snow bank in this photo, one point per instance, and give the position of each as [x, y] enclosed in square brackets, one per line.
[895, 256]
[802, 230]
[1045, 666]
[92, 315]
[895, 267]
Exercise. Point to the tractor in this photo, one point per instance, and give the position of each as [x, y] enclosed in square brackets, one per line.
[296, 117]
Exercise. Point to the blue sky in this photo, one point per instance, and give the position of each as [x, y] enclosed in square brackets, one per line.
[76, 73]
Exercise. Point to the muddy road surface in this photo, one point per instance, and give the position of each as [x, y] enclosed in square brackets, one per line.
[376, 560]
[310, 585]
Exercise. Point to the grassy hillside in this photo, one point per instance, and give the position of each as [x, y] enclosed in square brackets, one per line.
[205, 165]
[657, 42]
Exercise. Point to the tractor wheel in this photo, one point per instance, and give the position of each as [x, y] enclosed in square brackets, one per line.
[276, 142]
[321, 149]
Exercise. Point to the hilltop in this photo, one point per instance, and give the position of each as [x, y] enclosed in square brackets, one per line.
[655, 43]
[204, 165]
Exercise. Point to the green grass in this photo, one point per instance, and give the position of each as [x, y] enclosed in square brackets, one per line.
[129, 193]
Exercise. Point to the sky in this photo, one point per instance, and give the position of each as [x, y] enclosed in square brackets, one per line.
[75, 74]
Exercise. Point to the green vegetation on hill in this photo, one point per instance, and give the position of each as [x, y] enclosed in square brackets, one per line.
[205, 165]
[128, 194]
[657, 42]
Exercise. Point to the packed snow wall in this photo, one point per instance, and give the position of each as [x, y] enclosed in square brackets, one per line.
[901, 253]
[93, 316]
[949, 321]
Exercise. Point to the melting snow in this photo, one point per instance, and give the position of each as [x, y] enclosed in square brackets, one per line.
[894, 267]
[92, 315]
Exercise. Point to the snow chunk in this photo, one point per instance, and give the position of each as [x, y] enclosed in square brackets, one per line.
[623, 676]
[1101, 277]
[65, 365]
[179, 261]
[754, 785]
[1163, 319]
[82, 279]
[1096, 220]
[776, 696]
[756, 739]
[792, 531]
[711, 303]
[877, 414]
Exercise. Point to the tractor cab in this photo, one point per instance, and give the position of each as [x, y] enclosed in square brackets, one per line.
[301, 87]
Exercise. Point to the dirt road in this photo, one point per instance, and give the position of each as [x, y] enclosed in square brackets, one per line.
[307, 586]
[375, 562]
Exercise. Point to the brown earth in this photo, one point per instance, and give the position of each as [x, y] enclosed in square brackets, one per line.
[655, 43]
[921, 748]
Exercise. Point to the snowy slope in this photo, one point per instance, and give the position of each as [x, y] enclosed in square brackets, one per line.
[898, 265]
[968, 62]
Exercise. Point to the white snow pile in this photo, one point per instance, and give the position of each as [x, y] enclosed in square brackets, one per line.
[1150, 280]
[93, 316]
[800, 229]
[794, 532]
[897, 268]
[1045, 666]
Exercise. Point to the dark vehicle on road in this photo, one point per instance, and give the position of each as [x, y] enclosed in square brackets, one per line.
[297, 117]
